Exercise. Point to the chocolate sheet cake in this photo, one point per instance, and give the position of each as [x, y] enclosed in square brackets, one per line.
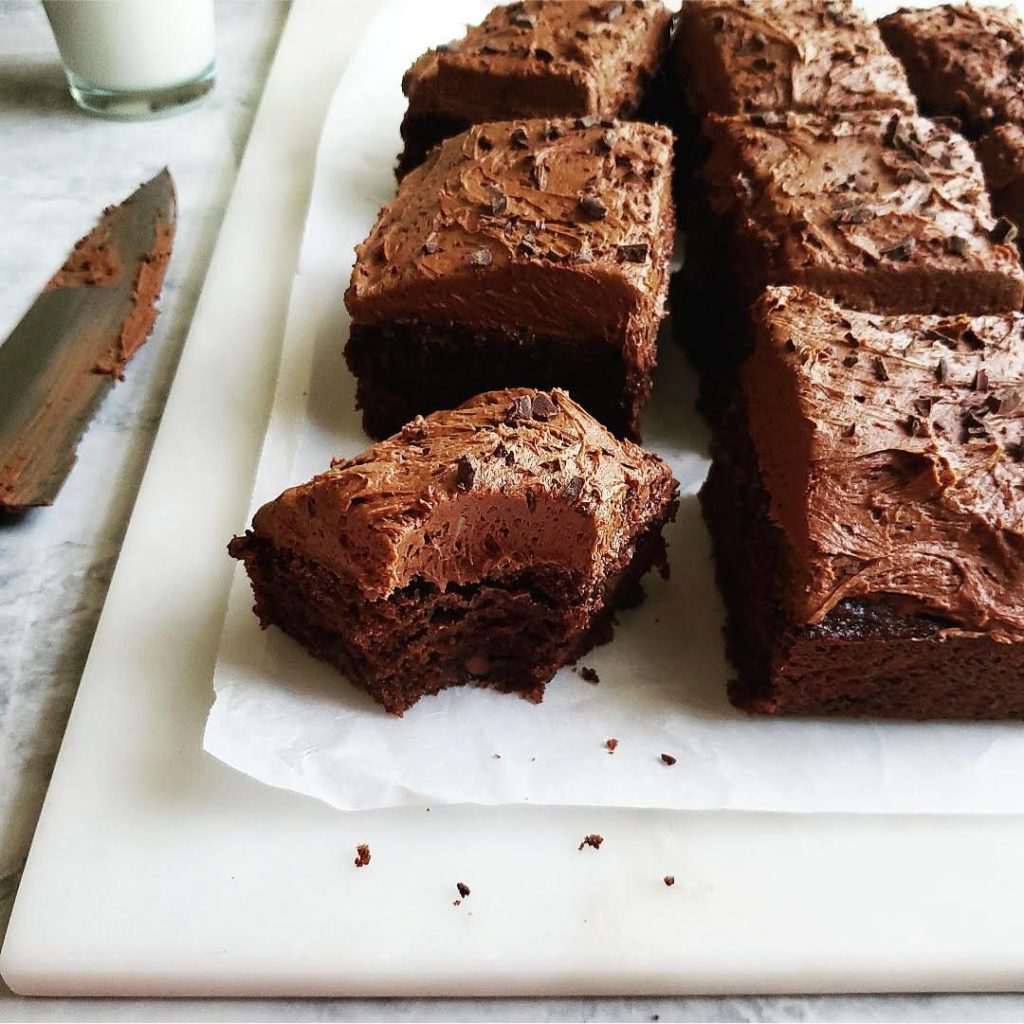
[866, 505]
[521, 253]
[1001, 153]
[771, 56]
[880, 210]
[487, 545]
[534, 59]
[963, 61]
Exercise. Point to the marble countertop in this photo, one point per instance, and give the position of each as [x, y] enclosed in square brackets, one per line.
[58, 168]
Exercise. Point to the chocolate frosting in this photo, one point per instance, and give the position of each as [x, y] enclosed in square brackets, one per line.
[536, 59]
[962, 60]
[560, 227]
[891, 449]
[851, 205]
[510, 480]
[775, 55]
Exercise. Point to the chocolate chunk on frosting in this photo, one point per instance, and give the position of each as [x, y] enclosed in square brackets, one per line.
[559, 254]
[564, 58]
[739, 56]
[509, 480]
[904, 486]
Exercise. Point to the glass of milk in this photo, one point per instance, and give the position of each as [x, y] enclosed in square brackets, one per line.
[133, 59]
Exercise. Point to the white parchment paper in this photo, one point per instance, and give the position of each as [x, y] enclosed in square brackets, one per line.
[293, 722]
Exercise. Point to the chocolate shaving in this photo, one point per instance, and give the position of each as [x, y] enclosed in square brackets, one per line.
[668, 759]
[542, 408]
[362, 855]
[923, 405]
[636, 253]
[957, 245]
[914, 426]
[972, 340]
[942, 370]
[540, 173]
[850, 361]
[430, 246]
[480, 258]
[497, 201]
[519, 138]
[593, 840]
[606, 141]
[593, 207]
[520, 409]
[1004, 231]
[611, 745]
[901, 251]
[856, 213]
[850, 430]
[980, 382]
[1014, 450]
[878, 366]
[465, 473]
[1009, 400]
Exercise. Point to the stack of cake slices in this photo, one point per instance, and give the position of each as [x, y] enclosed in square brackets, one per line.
[849, 299]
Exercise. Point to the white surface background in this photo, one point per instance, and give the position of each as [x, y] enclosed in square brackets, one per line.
[56, 169]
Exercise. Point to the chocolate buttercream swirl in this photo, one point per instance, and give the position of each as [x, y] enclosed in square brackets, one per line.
[777, 55]
[962, 60]
[488, 233]
[874, 191]
[892, 449]
[572, 57]
[510, 480]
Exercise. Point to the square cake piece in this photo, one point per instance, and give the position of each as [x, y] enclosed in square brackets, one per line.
[521, 253]
[1001, 153]
[879, 210]
[488, 545]
[535, 59]
[866, 508]
[962, 61]
[771, 56]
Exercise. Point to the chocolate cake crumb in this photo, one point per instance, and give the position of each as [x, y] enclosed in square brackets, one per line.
[362, 855]
[463, 889]
[669, 879]
[611, 744]
[668, 759]
[589, 674]
[519, 138]
[593, 840]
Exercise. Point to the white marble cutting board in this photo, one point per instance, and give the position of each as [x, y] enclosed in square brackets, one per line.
[156, 870]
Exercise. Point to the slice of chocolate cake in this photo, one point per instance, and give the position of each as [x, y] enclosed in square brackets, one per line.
[1001, 153]
[488, 545]
[521, 253]
[879, 210]
[963, 61]
[866, 506]
[534, 59]
[772, 56]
